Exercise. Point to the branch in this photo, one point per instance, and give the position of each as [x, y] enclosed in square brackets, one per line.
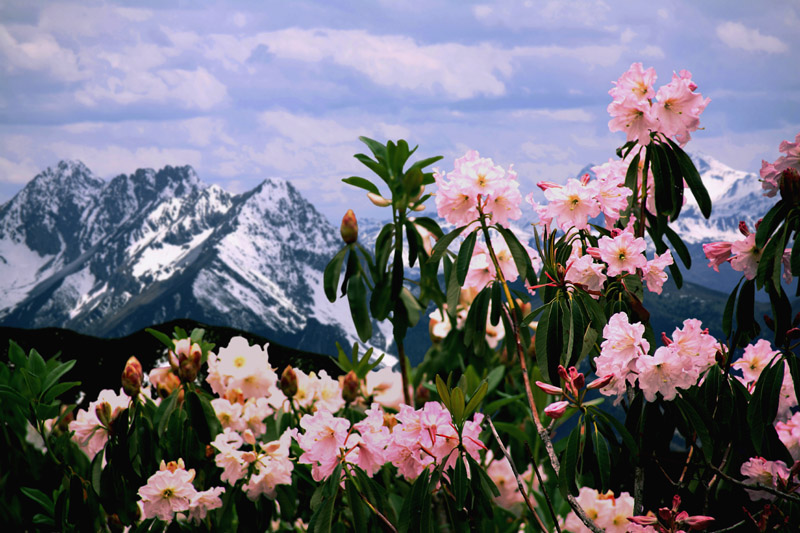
[520, 485]
[757, 486]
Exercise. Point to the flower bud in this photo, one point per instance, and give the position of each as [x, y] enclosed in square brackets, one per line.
[643, 520]
[698, 522]
[349, 229]
[743, 229]
[418, 207]
[185, 360]
[599, 383]
[793, 334]
[132, 377]
[556, 409]
[164, 380]
[790, 185]
[350, 387]
[103, 413]
[549, 389]
[422, 395]
[378, 200]
[249, 437]
[544, 185]
[289, 382]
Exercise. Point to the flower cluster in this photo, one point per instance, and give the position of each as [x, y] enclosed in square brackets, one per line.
[241, 367]
[412, 441]
[677, 365]
[500, 471]
[476, 185]
[669, 520]
[777, 175]
[170, 491]
[674, 113]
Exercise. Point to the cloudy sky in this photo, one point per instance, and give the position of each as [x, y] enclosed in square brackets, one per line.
[248, 90]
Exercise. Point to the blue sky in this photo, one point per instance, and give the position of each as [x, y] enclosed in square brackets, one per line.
[243, 91]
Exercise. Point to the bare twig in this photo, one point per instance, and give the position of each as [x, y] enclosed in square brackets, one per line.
[520, 485]
[756, 486]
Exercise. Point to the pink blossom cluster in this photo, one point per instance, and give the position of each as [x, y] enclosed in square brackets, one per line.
[90, 432]
[440, 326]
[677, 365]
[621, 253]
[674, 113]
[476, 185]
[755, 358]
[576, 202]
[170, 491]
[265, 465]
[743, 255]
[419, 439]
[242, 367]
[772, 174]
[609, 512]
[774, 474]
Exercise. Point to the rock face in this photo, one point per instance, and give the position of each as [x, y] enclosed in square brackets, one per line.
[109, 258]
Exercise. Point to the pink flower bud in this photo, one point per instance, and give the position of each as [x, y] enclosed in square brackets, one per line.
[743, 229]
[643, 520]
[593, 251]
[349, 228]
[549, 389]
[562, 373]
[378, 200]
[164, 380]
[103, 413]
[556, 409]
[599, 383]
[717, 253]
[132, 377]
[249, 437]
[544, 185]
[289, 382]
[698, 522]
[350, 387]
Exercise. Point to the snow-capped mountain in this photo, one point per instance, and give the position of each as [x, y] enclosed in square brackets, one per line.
[108, 258]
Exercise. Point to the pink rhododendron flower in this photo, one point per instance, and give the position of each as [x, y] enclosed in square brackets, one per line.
[623, 253]
[792, 157]
[241, 366]
[678, 108]
[653, 272]
[500, 471]
[759, 471]
[633, 116]
[746, 256]
[386, 385]
[230, 458]
[662, 372]
[573, 204]
[167, 492]
[583, 270]
[609, 512]
[717, 253]
[481, 269]
[637, 82]
[624, 343]
[273, 467]
[324, 437]
[789, 433]
[755, 359]
[769, 178]
[203, 502]
[91, 434]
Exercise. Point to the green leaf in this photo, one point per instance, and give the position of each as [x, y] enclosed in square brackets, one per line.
[362, 184]
[331, 276]
[411, 514]
[771, 221]
[763, 406]
[57, 390]
[377, 149]
[465, 256]
[518, 252]
[476, 399]
[430, 225]
[457, 405]
[695, 422]
[357, 297]
[444, 393]
[17, 355]
[693, 179]
[569, 461]
[460, 482]
[441, 246]
[165, 410]
[603, 456]
[679, 246]
[54, 375]
[727, 315]
[360, 520]
[422, 163]
[165, 340]
[36, 365]
[746, 326]
[39, 497]
[632, 175]
[794, 259]
[627, 438]
[662, 178]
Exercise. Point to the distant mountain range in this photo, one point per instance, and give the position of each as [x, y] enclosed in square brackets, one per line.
[109, 258]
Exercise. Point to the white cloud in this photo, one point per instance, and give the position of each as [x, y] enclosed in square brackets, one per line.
[239, 19]
[191, 89]
[575, 114]
[652, 51]
[111, 160]
[737, 35]
[80, 20]
[543, 14]
[203, 131]
[17, 172]
[663, 13]
[549, 152]
[627, 36]
[38, 51]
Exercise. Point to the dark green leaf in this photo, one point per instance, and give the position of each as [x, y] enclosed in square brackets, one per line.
[54, 375]
[603, 456]
[331, 276]
[770, 222]
[727, 315]
[362, 184]
[679, 246]
[521, 258]
[662, 178]
[696, 423]
[465, 256]
[360, 520]
[460, 482]
[441, 246]
[357, 297]
[477, 398]
[569, 461]
[693, 179]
